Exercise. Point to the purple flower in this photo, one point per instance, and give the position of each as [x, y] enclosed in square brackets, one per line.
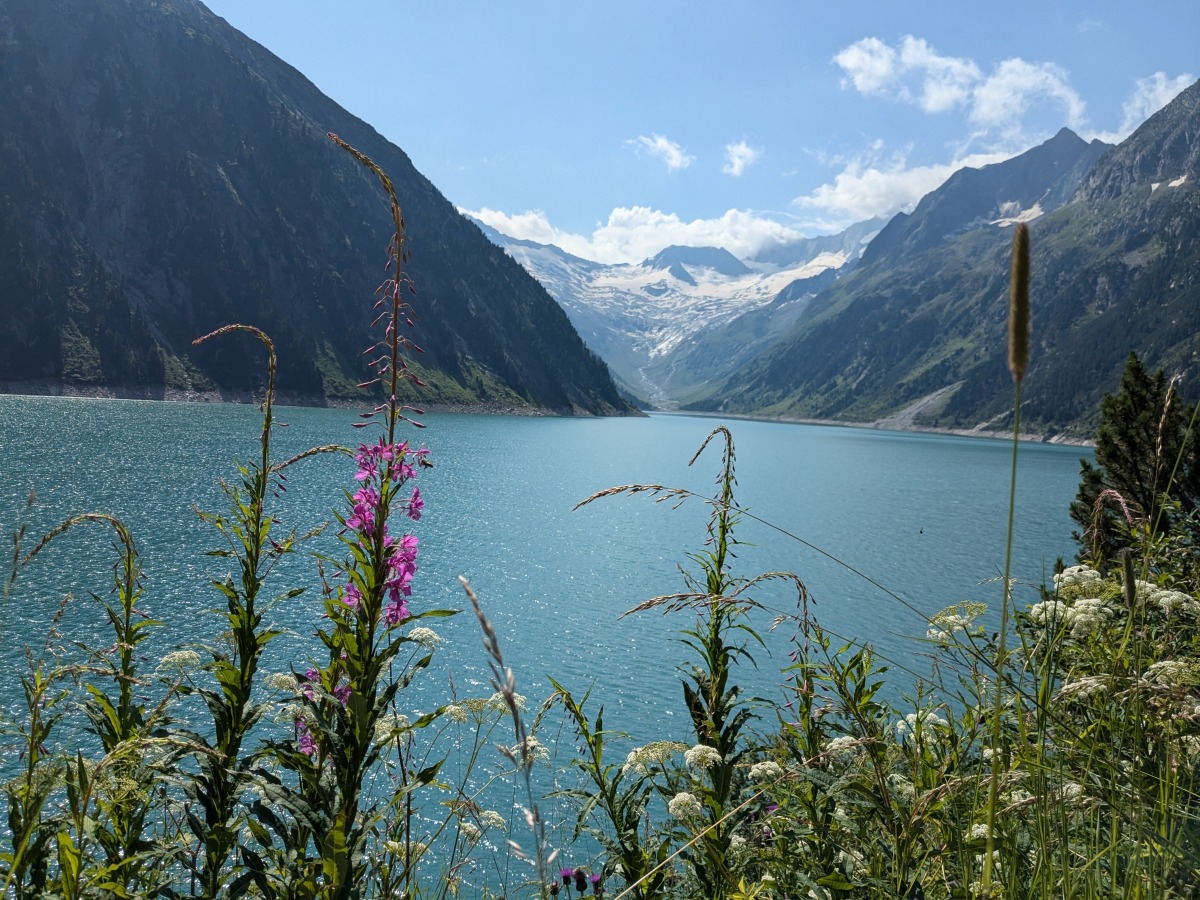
[342, 693]
[351, 595]
[396, 612]
[307, 743]
[567, 874]
[415, 505]
[312, 676]
[363, 503]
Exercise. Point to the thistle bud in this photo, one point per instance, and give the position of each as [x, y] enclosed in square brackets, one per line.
[1018, 304]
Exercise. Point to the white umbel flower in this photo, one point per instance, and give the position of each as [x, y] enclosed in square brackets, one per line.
[684, 806]
[702, 757]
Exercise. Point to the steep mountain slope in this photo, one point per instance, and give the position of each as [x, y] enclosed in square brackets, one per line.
[163, 175]
[916, 334]
[647, 320]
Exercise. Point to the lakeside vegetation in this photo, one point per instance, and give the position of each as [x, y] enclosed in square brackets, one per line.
[1056, 757]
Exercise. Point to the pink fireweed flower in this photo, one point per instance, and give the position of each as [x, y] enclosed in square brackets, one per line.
[364, 502]
[396, 612]
[401, 566]
[305, 739]
[342, 694]
[415, 505]
[351, 595]
[312, 676]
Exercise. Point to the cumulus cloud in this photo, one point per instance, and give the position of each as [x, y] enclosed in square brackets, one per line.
[665, 149]
[871, 187]
[870, 64]
[1149, 96]
[946, 81]
[633, 234]
[995, 102]
[1002, 99]
[738, 156]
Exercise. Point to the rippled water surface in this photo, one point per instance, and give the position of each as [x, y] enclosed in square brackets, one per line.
[922, 515]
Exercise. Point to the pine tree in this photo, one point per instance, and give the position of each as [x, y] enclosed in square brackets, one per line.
[1147, 466]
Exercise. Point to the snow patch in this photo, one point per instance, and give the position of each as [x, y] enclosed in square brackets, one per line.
[1012, 214]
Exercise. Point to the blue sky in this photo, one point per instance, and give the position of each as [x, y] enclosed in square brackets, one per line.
[614, 129]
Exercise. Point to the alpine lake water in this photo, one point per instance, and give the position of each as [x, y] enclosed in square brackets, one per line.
[922, 515]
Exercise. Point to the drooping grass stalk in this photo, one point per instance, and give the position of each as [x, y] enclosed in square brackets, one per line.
[222, 774]
[1018, 360]
[523, 756]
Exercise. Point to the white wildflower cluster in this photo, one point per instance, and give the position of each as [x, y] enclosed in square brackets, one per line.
[470, 832]
[955, 620]
[656, 753]
[977, 832]
[283, 681]
[1083, 688]
[1048, 613]
[482, 706]
[1169, 603]
[842, 746]
[489, 818]
[702, 757]
[684, 806]
[924, 720]
[415, 849]
[390, 725]
[426, 637]
[1087, 616]
[1077, 577]
[737, 842]
[768, 770]
[289, 714]
[533, 749]
[456, 713]
[498, 702]
[1173, 672]
[179, 661]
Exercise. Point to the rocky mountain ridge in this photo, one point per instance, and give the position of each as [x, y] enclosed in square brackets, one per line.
[164, 176]
[917, 330]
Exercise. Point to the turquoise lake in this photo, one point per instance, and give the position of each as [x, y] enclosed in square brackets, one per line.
[923, 515]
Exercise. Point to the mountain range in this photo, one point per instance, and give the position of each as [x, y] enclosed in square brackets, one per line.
[903, 323]
[164, 175]
[643, 319]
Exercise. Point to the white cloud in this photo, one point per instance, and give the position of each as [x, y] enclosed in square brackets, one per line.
[1005, 96]
[868, 188]
[1149, 96]
[633, 234]
[946, 80]
[667, 150]
[738, 156]
[995, 102]
[870, 65]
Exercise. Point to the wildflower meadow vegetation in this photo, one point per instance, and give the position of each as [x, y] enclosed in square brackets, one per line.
[1055, 755]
